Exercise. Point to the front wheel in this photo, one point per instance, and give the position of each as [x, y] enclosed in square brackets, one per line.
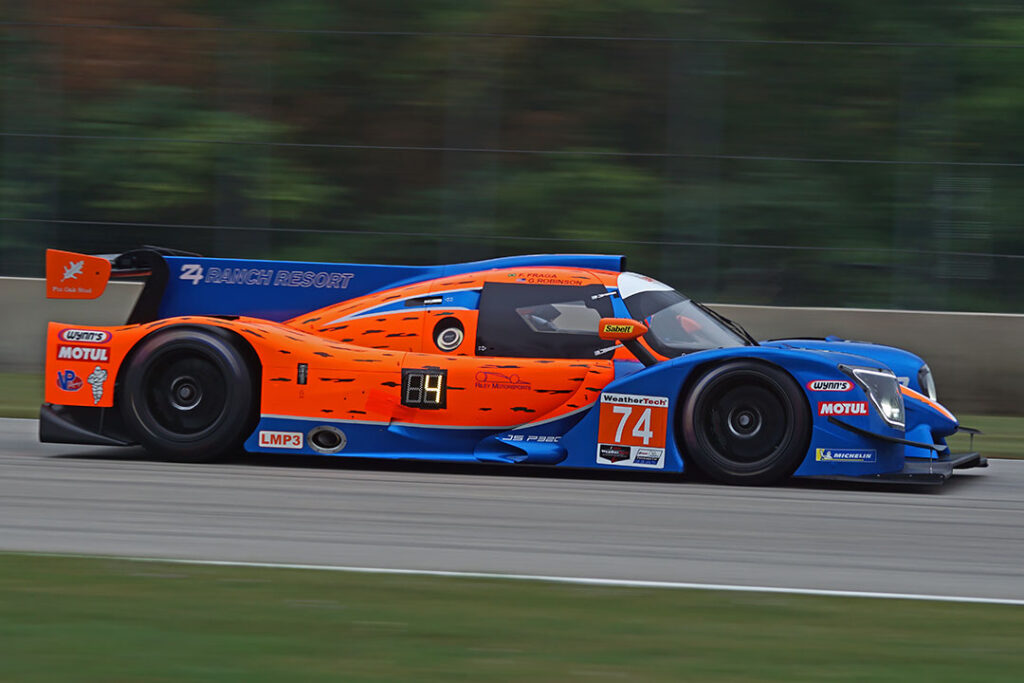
[189, 394]
[746, 423]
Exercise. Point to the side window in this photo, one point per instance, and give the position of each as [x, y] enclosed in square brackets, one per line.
[566, 317]
[542, 321]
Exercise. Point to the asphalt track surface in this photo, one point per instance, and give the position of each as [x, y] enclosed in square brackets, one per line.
[963, 539]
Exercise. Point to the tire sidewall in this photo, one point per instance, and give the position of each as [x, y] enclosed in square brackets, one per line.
[787, 456]
[229, 429]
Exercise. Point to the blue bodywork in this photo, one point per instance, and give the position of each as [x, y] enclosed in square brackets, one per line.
[867, 446]
[280, 290]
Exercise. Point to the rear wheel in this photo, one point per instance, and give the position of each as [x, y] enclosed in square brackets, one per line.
[189, 394]
[746, 423]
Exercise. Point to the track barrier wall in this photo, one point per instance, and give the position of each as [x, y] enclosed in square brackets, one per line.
[977, 358]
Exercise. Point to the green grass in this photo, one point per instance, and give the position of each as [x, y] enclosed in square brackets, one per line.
[22, 393]
[1003, 437]
[79, 619]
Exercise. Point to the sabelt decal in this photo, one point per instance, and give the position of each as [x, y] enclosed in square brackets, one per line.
[829, 385]
[843, 408]
[618, 329]
[632, 430]
[844, 455]
[84, 336]
[99, 354]
[280, 440]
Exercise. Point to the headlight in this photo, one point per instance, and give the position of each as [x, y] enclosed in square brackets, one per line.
[883, 389]
[927, 382]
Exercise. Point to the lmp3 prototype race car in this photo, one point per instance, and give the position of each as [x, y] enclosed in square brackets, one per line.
[557, 360]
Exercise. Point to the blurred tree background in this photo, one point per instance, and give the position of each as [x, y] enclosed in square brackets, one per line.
[779, 152]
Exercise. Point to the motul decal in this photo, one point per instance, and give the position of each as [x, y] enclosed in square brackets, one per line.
[280, 439]
[829, 385]
[99, 354]
[843, 408]
[85, 336]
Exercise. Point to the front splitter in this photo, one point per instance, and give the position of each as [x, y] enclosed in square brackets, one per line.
[918, 470]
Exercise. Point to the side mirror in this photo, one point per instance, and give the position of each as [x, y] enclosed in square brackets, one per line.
[620, 329]
[627, 331]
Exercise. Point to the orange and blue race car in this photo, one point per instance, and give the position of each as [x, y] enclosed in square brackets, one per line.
[556, 360]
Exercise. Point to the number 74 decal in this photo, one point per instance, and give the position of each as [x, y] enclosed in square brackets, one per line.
[642, 429]
[632, 430]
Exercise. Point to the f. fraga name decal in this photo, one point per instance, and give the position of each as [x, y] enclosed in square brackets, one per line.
[263, 277]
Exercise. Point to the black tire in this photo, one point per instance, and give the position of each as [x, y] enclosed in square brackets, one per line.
[189, 394]
[746, 422]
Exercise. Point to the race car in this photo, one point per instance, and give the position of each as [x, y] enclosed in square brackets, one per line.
[553, 360]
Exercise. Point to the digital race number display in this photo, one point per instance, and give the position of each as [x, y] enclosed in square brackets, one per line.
[422, 388]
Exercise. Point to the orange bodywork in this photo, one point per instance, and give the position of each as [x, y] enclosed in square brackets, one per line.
[354, 359]
[75, 276]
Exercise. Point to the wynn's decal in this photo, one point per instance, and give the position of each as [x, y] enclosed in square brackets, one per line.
[829, 385]
[85, 336]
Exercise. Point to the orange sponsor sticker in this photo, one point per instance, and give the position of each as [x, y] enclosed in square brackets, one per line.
[632, 430]
[75, 276]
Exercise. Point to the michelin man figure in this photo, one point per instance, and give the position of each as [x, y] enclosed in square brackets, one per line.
[96, 379]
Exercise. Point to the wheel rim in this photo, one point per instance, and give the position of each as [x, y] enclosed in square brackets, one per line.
[185, 393]
[744, 421]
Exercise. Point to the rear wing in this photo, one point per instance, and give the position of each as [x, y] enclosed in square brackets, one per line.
[182, 283]
[70, 275]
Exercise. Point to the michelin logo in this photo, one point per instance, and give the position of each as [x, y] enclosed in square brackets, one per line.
[264, 277]
[96, 380]
[844, 455]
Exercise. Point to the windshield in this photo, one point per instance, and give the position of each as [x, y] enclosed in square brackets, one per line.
[677, 325]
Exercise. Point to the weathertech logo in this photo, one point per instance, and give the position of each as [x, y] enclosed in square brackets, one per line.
[280, 439]
[843, 408]
[636, 400]
[85, 336]
[613, 453]
[829, 385]
[99, 354]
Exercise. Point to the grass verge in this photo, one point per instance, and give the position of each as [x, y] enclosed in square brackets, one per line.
[1003, 437]
[22, 393]
[78, 619]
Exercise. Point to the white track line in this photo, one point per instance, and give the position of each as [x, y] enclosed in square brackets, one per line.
[620, 583]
